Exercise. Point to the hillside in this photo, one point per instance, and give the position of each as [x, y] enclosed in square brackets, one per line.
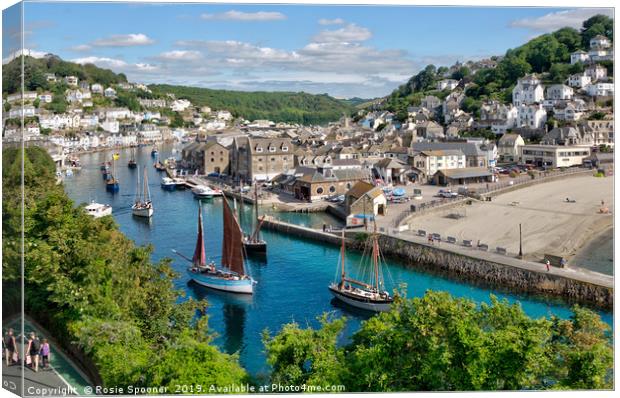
[276, 106]
[548, 54]
[36, 68]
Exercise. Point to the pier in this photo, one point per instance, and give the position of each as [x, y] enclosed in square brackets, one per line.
[475, 265]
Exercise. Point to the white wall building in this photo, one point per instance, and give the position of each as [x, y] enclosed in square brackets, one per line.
[528, 90]
[579, 56]
[579, 80]
[449, 84]
[596, 72]
[553, 155]
[180, 105]
[532, 116]
[600, 89]
[110, 125]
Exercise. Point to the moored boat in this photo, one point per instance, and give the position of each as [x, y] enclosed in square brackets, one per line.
[232, 275]
[367, 296]
[253, 243]
[154, 152]
[132, 164]
[97, 210]
[168, 184]
[204, 191]
[142, 206]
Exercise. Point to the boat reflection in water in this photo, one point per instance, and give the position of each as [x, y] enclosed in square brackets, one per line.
[234, 314]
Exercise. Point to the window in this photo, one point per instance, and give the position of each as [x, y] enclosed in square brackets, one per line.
[260, 168]
[272, 149]
[284, 148]
[285, 158]
[259, 149]
[212, 160]
[332, 189]
[348, 185]
[319, 190]
[273, 159]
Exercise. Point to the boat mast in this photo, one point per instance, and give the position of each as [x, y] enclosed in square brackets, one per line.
[375, 256]
[257, 229]
[199, 251]
[342, 251]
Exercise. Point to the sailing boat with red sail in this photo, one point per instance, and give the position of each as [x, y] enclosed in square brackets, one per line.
[367, 296]
[232, 276]
[253, 243]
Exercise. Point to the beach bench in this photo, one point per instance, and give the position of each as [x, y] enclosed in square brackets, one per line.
[483, 247]
[421, 232]
[467, 243]
[500, 250]
[437, 237]
[451, 239]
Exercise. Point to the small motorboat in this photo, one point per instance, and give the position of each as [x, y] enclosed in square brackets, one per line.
[203, 192]
[154, 152]
[98, 210]
[168, 184]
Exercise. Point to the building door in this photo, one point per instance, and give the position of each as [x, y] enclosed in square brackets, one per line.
[381, 210]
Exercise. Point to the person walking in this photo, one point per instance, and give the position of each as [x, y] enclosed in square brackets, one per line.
[547, 263]
[34, 349]
[45, 354]
[10, 346]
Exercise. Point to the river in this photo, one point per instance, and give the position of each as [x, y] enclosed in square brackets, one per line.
[292, 282]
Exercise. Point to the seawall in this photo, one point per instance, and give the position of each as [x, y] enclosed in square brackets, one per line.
[476, 266]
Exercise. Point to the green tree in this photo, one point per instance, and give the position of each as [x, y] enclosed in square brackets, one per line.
[596, 25]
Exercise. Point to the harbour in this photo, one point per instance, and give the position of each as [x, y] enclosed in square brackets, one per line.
[292, 281]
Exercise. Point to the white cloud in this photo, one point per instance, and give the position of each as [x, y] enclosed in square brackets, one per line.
[560, 19]
[180, 55]
[335, 21]
[101, 61]
[348, 33]
[132, 39]
[233, 15]
[81, 48]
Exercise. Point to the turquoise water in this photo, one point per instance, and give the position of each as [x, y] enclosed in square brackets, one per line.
[292, 282]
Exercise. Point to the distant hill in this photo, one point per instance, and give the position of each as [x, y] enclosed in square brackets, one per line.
[36, 68]
[291, 107]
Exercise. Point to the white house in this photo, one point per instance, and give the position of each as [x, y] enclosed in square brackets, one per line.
[27, 97]
[46, 97]
[110, 125]
[96, 88]
[89, 121]
[59, 121]
[528, 91]
[50, 77]
[508, 147]
[599, 54]
[532, 116]
[579, 56]
[150, 133]
[559, 92]
[600, 89]
[579, 80]
[117, 113]
[77, 95]
[214, 125]
[71, 80]
[569, 110]
[600, 41]
[431, 161]
[449, 84]
[224, 115]
[25, 111]
[109, 92]
[180, 105]
[32, 129]
[596, 72]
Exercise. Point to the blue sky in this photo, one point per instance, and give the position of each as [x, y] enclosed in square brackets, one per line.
[342, 50]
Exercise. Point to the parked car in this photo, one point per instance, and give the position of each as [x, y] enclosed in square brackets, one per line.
[213, 175]
[447, 193]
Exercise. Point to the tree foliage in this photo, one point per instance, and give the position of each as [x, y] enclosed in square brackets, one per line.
[441, 343]
[291, 107]
[90, 285]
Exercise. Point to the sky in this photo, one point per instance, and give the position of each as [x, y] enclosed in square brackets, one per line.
[345, 51]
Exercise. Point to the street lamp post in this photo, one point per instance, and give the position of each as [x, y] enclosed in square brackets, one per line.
[520, 243]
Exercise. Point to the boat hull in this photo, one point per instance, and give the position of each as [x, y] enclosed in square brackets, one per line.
[361, 302]
[244, 286]
[132, 165]
[142, 212]
[255, 247]
[112, 187]
[169, 187]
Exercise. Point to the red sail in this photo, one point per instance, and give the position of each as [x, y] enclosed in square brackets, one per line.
[232, 246]
[199, 253]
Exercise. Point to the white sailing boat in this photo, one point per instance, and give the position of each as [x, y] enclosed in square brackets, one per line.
[142, 206]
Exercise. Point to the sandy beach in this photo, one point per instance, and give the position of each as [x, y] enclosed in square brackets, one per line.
[550, 224]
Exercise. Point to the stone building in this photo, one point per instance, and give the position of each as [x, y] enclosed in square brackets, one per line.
[260, 159]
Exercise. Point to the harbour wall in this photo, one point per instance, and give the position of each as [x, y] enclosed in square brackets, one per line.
[471, 267]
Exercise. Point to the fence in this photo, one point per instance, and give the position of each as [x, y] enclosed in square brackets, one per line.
[494, 187]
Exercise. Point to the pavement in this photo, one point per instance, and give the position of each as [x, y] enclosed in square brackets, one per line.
[62, 378]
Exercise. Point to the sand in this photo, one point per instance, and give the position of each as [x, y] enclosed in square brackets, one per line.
[550, 225]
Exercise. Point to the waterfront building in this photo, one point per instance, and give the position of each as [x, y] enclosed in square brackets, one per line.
[207, 157]
[312, 184]
[428, 162]
[392, 171]
[475, 155]
[260, 159]
[553, 155]
[532, 116]
[464, 176]
[508, 147]
[602, 131]
[366, 199]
